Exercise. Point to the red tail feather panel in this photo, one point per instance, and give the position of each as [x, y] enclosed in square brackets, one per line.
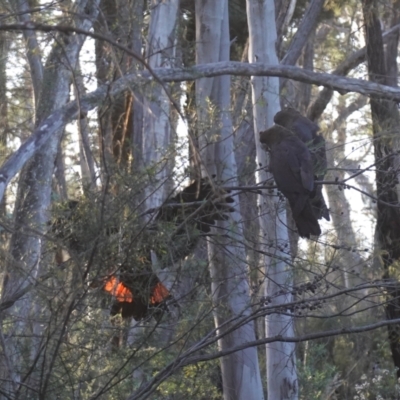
[160, 293]
[118, 290]
[135, 306]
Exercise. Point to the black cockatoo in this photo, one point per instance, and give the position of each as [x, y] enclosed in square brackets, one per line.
[307, 130]
[137, 290]
[190, 213]
[292, 168]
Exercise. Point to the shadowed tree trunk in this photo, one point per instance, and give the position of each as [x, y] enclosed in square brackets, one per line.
[385, 124]
[136, 134]
[4, 44]
[115, 114]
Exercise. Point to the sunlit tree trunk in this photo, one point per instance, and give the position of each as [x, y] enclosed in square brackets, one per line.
[157, 137]
[281, 367]
[240, 371]
[86, 158]
[351, 262]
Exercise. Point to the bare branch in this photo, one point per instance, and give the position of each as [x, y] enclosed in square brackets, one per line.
[356, 58]
[308, 24]
[188, 358]
[66, 114]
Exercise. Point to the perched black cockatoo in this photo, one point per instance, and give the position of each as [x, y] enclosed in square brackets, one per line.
[292, 169]
[307, 130]
[177, 227]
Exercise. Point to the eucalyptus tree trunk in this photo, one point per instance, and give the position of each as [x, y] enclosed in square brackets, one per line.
[240, 371]
[4, 44]
[351, 262]
[157, 136]
[115, 113]
[25, 319]
[86, 158]
[281, 366]
[136, 132]
[385, 125]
